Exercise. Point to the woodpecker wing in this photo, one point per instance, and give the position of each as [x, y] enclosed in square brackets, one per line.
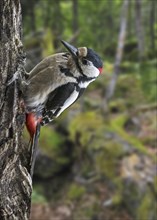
[45, 63]
[59, 100]
[44, 79]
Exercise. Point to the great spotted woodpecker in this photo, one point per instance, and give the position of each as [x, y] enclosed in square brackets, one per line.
[57, 82]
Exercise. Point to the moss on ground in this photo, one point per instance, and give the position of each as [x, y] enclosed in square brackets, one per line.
[117, 125]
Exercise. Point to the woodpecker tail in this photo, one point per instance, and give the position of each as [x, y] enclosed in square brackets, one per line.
[33, 127]
[33, 148]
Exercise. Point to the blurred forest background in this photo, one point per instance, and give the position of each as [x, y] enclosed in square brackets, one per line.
[98, 160]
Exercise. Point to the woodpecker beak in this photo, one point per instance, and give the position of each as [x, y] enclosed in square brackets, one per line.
[73, 50]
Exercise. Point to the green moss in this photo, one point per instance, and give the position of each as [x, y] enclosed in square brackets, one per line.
[117, 125]
[117, 199]
[75, 192]
[107, 160]
[113, 148]
[106, 164]
[85, 125]
[129, 89]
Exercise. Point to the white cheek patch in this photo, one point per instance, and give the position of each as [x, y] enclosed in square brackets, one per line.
[91, 71]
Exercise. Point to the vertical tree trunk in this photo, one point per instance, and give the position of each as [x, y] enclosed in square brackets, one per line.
[75, 19]
[15, 180]
[152, 25]
[32, 16]
[110, 17]
[139, 29]
[130, 20]
[119, 54]
[57, 22]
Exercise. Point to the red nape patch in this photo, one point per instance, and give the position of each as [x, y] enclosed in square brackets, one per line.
[100, 70]
[31, 123]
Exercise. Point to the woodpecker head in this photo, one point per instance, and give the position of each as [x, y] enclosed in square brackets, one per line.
[86, 60]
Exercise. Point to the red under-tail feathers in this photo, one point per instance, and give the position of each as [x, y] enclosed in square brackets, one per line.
[31, 123]
[33, 127]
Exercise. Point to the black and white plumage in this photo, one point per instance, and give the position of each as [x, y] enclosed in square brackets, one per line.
[59, 80]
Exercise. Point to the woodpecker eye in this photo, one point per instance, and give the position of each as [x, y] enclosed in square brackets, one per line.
[85, 62]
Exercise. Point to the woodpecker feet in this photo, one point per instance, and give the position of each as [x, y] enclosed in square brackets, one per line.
[15, 77]
[21, 77]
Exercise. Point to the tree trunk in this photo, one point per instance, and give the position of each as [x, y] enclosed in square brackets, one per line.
[152, 25]
[119, 54]
[15, 180]
[75, 18]
[140, 29]
[32, 16]
[57, 22]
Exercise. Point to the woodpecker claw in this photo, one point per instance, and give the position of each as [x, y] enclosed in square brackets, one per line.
[15, 77]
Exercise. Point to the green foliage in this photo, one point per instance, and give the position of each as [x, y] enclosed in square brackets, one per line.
[37, 197]
[51, 141]
[129, 89]
[67, 17]
[84, 126]
[47, 46]
[148, 72]
[75, 191]
[108, 158]
[117, 105]
[117, 198]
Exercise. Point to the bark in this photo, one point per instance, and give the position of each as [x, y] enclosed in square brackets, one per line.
[15, 180]
[119, 54]
[140, 29]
